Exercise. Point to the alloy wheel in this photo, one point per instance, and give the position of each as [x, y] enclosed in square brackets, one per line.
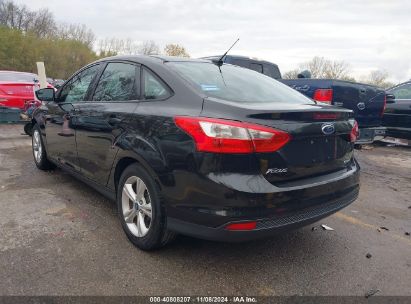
[136, 206]
[37, 148]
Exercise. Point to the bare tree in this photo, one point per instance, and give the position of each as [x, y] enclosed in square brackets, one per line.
[131, 47]
[43, 24]
[336, 69]
[378, 78]
[149, 47]
[110, 46]
[19, 17]
[293, 74]
[316, 66]
[174, 49]
[77, 32]
[325, 68]
[14, 16]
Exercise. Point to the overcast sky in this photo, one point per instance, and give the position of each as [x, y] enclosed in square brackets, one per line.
[369, 35]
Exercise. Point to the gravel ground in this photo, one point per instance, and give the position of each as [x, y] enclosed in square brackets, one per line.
[60, 237]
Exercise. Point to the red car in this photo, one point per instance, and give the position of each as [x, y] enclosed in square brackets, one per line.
[17, 88]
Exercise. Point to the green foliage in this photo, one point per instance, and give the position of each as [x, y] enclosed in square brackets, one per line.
[20, 51]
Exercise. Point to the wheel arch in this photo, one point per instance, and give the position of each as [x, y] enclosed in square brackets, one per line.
[124, 160]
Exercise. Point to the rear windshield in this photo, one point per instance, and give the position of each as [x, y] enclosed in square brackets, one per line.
[237, 84]
[18, 77]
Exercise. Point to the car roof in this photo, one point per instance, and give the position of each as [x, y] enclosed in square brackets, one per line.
[398, 85]
[147, 59]
[17, 72]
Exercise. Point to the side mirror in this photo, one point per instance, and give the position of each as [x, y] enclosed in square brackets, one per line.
[46, 94]
[390, 98]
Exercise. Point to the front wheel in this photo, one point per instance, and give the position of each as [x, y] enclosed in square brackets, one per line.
[39, 151]
[141, 213]
[28, 129]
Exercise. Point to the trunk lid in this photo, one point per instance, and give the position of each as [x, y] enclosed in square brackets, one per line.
[310, 152]
[19, 89]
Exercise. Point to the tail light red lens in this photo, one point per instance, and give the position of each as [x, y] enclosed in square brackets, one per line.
[385, 105]
[354, 132]
[228, 136]
[323, 95]
[241, 226]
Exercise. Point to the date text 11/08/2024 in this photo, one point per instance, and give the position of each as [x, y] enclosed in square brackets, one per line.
[199, 299]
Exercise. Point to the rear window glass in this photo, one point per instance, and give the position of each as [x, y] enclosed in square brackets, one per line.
[237, 84]
[18, 77]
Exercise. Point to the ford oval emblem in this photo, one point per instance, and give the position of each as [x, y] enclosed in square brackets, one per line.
[328, 128]
[361, 106]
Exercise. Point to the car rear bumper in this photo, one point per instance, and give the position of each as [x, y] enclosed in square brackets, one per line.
[369, 135]
[404, 133]
[206, 215]
[265, 227]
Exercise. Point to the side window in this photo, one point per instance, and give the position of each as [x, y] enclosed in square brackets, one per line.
[271, 71]
[402, 92]
[154, 88]
[256, 67]
[241, 63]
[117, 83]
[76, 89]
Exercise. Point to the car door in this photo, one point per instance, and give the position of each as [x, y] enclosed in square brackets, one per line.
[397, 116]
[60, 120]
[103, 119]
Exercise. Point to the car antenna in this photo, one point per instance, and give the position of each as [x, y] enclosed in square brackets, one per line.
[221, 60]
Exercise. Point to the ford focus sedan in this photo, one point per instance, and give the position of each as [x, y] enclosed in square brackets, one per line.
[189, 146]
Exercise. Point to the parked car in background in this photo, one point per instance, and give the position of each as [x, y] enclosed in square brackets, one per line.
[264, 67]
[366, 101]
[397, 116]
[17, 88]
[57, 83]
[188, 146]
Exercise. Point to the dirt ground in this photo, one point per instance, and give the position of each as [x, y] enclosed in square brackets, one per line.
[60, 237]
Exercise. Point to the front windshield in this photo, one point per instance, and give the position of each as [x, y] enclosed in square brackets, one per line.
[237, 84]
[18, 77]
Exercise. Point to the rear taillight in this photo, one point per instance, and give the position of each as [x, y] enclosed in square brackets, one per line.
[354, 132]
[385, 105]
[228, 136]
[323, 95]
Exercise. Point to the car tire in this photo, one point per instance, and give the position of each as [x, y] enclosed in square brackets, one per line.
[28, 129]
[39, 151]
[140, 209]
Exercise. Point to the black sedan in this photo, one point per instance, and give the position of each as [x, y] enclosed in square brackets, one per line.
[194, 147]
[397, 116]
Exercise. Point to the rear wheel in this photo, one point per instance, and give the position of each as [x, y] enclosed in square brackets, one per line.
[141, 212]
[39, 151]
